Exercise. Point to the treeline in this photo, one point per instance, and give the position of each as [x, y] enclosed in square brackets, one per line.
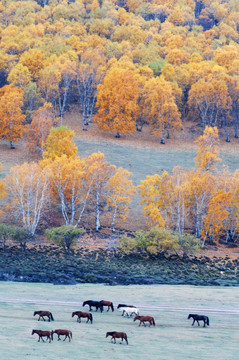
[202, 201]
[123, 63]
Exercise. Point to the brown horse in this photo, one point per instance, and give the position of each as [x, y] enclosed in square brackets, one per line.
[117, 335]
[81, 314]
[143, 319]
[41, 334]
[44, 313]
[63, 332]
[107, 303]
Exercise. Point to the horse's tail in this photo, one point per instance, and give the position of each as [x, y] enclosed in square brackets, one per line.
[51, 316]
[112, 307]
[91, 318]
[207, 321]
[153, 322]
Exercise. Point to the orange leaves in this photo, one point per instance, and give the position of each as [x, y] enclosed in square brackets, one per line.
[117, 101]
[159, 106]
[59, 142]
[37, 132]
[11, 117]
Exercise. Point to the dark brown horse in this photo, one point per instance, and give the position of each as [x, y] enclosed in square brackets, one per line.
[107, 303]
[124, 305]
[82, 314]
[117, 335]
[63, 332]
[143, 319]
[41, 334]
[96, 304]
[44, 313]
[198, 318]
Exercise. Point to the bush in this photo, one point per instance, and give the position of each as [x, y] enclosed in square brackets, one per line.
[64, 236]
[20, 235]
[158, 241]
[153, 242]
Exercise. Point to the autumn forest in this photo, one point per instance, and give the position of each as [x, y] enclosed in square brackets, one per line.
[124, 65]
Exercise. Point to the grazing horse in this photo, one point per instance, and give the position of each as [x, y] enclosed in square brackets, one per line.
[124, 305]
[41, 334]
[44, 313]
[59, 332]
[128, 311]
[108, 303]
[81, 314]
[117, 335]
[96, 304]
[143, 319]
[198, 318]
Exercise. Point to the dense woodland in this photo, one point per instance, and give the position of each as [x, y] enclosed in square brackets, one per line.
[124, 64]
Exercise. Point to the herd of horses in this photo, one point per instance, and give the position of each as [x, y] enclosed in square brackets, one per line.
[127, 310]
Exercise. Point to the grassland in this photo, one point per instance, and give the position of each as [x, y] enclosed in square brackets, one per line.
[172, 338]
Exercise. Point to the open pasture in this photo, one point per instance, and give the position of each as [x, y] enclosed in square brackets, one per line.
[173, 337]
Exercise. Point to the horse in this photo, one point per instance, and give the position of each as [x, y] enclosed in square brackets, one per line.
[81, 314]
[96, 304]
[107, 303]
[198, 318]
[143, 319]
[124, 305]
[41, 334]
[59, 332]
[128, 311]
[44, 313]
[117, 335]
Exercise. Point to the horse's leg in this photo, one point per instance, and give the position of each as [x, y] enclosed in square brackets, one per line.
[43, 318]
[39, 318]
[198, 323]
[204, 323]
[79, 319]
[193, 322]
[39, 338]
[59, 338]
[65, 338]
[108, 308]
[49, 318]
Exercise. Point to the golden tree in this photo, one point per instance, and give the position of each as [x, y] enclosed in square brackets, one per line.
[159, 106]
[117, 101]
[37, 132]
[11, 116]
[207, 155]
[121, 190]
[59, 142]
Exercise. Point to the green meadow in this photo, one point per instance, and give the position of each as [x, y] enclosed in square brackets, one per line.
[172, 338]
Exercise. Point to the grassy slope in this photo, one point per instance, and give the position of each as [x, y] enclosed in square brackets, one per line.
[172, 338]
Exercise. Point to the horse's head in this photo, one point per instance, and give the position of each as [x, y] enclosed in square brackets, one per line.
[34, 313]
[73, 314]
[107, 334]
[136, 317]
[33, 332]
[190, 316]
[84, 303]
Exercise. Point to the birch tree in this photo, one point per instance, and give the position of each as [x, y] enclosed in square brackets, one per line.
[27, 186]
